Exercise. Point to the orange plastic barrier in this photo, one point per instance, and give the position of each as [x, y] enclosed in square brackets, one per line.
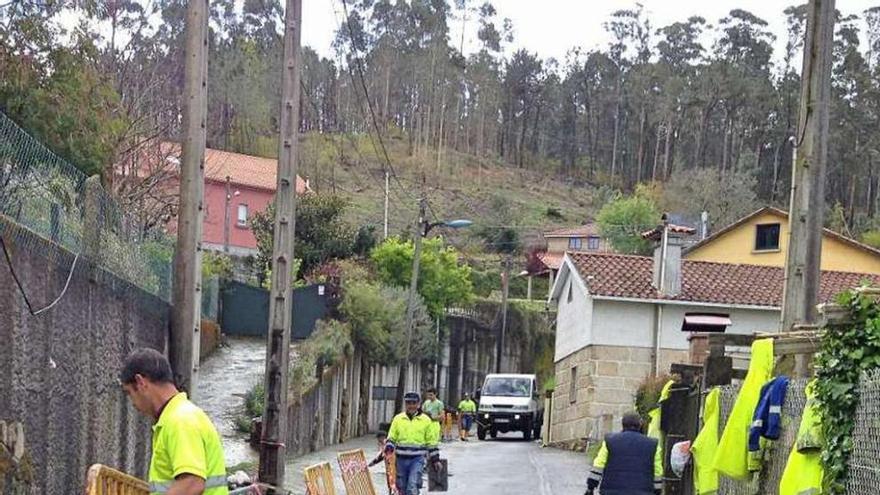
[103, 480]
[319, 479]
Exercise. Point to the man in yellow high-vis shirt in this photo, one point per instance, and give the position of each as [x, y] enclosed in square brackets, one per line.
[187, 453]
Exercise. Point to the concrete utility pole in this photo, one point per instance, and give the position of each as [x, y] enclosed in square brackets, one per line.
[505, 288]
[419, 231]
[226, 215]
[187, 285]
[387, 183]
[274, 429]
[803, 262]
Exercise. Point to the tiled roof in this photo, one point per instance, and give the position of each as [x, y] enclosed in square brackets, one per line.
[582, 231]
[656, 232]
[624, 276]
[551, 260]
[244, 170]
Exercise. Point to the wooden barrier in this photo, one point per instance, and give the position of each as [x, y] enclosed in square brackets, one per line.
[103, 480]
[319, 479]
[355, 473]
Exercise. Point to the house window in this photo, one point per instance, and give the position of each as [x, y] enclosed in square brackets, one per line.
[767, 237]
[593, 243]
[242, 215]
[572, 389]
[575, 243]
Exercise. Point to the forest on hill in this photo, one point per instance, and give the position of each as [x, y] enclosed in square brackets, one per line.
[695, 103]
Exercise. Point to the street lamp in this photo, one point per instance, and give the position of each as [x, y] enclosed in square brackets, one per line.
[229, 196]
[423, 227]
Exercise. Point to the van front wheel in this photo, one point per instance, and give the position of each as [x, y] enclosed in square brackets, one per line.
[481, 433]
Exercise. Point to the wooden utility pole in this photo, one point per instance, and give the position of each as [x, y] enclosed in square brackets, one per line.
[802, 267]
[274, 429]
[505, 289]
[187, 290]
[418, 233]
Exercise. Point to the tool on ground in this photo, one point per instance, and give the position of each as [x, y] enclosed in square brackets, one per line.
[104, 480]
[355, 474]
[438, 476]
[319, 479]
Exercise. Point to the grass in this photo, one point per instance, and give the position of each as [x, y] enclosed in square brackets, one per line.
[463, 186]
[253, 407]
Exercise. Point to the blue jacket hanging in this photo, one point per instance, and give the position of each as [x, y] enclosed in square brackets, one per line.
[767, 421]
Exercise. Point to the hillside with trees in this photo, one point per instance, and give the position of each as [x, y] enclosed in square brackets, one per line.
[695, 103]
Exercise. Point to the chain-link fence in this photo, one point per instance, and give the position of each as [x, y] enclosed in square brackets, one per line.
[46, 205]
[767, 480]
[864, 463]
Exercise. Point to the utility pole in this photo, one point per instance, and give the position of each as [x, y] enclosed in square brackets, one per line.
[226, 215]
[802, 267]
[387, 183]
[274, 430]
[411, 303]
[187, 290]
[505, 288]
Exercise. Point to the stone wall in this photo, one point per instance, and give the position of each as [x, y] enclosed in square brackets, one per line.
[605, 382]
[58, 370]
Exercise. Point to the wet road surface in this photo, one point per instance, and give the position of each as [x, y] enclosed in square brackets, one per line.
[223, 380]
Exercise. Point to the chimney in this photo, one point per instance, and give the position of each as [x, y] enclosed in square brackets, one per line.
[704, 225]
[668, 241]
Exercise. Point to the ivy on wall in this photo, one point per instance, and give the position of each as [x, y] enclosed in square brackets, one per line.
[846, 351]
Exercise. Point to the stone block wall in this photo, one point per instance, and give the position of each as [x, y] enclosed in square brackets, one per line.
[605, 382]
[59, 369]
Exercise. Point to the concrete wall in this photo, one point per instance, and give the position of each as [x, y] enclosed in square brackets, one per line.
[573, 319]
[605, 348]
[605, 382]
[620, 323]
[58, 370]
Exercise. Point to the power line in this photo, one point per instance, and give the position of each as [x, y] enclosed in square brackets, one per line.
[374, 120]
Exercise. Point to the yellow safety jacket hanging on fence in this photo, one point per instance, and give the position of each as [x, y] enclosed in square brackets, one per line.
[803, 473]
[732, 456]
[185, 442]
[704, 446]
[654, 426]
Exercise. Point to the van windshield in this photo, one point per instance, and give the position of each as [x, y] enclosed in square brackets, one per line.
[507, 387]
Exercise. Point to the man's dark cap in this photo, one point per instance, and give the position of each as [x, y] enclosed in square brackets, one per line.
[411, 397]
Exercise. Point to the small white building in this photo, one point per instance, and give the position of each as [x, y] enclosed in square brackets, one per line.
[617, 323]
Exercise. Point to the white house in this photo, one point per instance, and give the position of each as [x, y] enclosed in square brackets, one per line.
[619, 318]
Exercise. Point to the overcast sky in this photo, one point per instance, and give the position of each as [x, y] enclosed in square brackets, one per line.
[552, 27]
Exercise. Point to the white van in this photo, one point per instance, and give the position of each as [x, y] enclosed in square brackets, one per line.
[509, 402]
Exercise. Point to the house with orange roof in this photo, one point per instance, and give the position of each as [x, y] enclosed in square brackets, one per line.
[236, 187]
[622, 318]
[583, 238]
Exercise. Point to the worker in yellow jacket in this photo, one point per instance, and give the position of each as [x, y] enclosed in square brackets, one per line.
[628, 463]
[413, 440]
[187, 456]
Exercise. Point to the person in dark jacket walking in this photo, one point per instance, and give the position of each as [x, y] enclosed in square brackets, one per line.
[628, 463]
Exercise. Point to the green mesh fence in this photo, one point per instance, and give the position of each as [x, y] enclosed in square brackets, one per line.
[43, 206]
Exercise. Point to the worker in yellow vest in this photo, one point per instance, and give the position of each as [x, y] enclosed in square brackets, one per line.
[187, 456]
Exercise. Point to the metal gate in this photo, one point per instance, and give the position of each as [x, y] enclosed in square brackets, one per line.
[245, 309]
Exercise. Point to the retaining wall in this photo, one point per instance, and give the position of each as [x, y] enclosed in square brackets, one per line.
[58, 370]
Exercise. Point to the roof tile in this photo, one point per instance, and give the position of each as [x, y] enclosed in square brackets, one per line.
[626, 276]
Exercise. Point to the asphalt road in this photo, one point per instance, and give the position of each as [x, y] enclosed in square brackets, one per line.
[507, 465]
[512, 466]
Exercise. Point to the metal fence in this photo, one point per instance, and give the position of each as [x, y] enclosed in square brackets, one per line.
[43, 197]
[864, 469]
